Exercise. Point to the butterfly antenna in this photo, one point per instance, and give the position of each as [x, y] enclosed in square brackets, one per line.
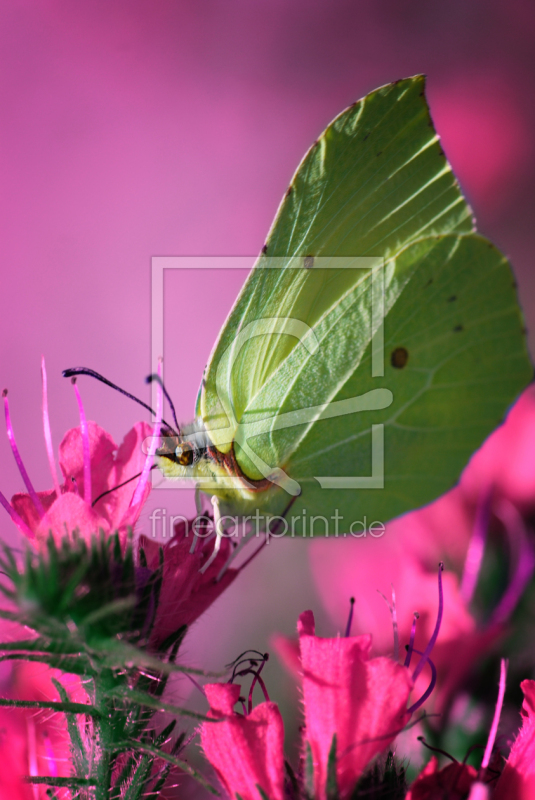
[154, 377]
[69, 373]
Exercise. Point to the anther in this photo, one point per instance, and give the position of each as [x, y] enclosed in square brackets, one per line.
[18, 460]
[350, 617]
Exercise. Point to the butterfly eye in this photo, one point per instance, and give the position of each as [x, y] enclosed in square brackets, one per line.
[184, 455]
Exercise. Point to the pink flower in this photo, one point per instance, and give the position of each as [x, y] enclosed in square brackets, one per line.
[35, 743]
[453, 782]
[245, 751]
[496, 489]
[99, 489]
[110, 467]
[361, 700]
[187, 591]
[518, 777]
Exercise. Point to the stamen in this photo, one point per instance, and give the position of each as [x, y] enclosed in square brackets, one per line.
[476, 548]
[69, 373]
[195, 683]
[437, 749]
[350, 617]
[394, 615]
[410, 646]
[47, 431]
[523, 555]
[85, 443]
[218, 535]
[153, 377]
[429, 689]
[257, 679]
[19, 522]
[432, 640]
[140, 488]
[495, 722]
[25, 477]
[241, 660]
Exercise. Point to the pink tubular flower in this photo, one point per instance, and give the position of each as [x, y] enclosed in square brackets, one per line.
[99, 490]
[186, 590]
[245, 751]
[361, 700]
[110, 467]
[518, 777]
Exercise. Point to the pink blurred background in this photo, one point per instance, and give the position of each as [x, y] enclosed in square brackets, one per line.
[136, 128]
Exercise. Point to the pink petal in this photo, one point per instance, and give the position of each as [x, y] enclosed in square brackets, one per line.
[246, 752]
[363, 701]
[186, 592]
[101, 451]
[128, 462]
[67, 514]
[25, 507]
[518, 777]
[453, 781]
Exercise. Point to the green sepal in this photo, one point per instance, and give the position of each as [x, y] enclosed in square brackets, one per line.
[147, 700]
[309, 771]
[331, 784]
[144, 747]
[261, 792]
[66, 708]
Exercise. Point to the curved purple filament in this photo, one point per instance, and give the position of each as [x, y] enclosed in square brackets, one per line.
[434, 635]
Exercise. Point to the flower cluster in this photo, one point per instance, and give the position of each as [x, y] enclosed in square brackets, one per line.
[95, 615]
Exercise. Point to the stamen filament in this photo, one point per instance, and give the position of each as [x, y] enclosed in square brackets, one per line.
[410, 648]
[523, 556]
[25, 477]
[85, 443]
[47, 431]
[350, 618]
[415, 706]
[476, 548]
[497, 713]
[434, 635]
[257, 679]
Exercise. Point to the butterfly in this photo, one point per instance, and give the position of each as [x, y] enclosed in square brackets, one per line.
[375, 344]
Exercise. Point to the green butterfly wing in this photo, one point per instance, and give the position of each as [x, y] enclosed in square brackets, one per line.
[296, 350]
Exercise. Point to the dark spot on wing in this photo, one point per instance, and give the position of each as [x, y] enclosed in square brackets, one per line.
[429, 282]
[379, 153]
[308, 262]
[290, 189]
[452, 298]
[399, 357]
[458, 328]
[366, 136]
[264, 249]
